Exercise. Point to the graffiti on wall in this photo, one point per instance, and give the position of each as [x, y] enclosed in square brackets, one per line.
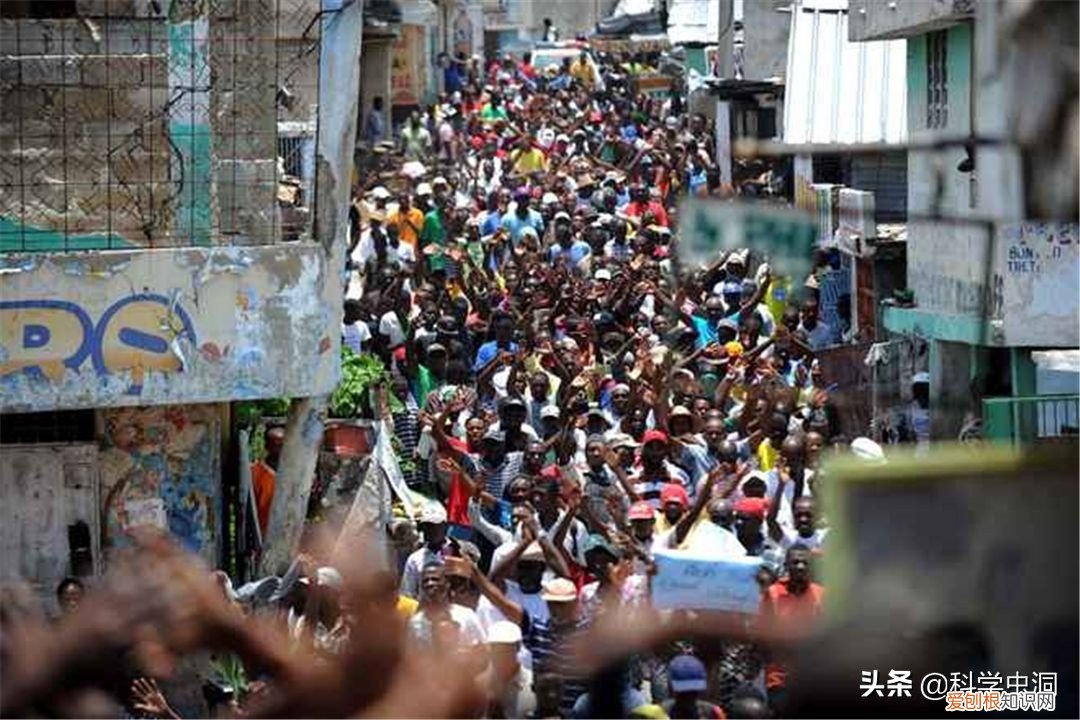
[138, 333]
[1036, 271]
[166, 456]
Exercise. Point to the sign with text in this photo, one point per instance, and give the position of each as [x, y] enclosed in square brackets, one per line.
[783, 235]
[407, 66]
[685, 581]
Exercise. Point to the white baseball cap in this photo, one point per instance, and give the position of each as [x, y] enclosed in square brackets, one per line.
[329, 577]
[866, 449]
[423, 189]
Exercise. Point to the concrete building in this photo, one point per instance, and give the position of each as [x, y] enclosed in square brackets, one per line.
[994, 277]
[511, 24]
[150, 157]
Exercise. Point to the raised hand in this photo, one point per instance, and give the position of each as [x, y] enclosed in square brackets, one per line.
[147, 698]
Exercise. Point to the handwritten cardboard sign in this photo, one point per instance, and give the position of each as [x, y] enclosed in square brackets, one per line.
[685, 581]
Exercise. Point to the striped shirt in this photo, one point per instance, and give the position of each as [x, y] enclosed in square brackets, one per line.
[551, 651]
[649, 487]
[407, 431]
[496, 479]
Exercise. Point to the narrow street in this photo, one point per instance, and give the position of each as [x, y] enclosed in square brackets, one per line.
[521, 359]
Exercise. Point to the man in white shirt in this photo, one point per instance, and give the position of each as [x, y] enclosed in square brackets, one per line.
[436, 609]
[432, 524]
[511, 685]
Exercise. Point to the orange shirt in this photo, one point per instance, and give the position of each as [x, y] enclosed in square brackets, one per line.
[409, 224]
[263, 482]
[781, 603]
[781, 606]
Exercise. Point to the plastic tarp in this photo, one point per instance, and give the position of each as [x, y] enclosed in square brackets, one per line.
[632, 7]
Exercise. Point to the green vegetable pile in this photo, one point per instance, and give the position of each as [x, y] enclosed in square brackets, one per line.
[359, 373]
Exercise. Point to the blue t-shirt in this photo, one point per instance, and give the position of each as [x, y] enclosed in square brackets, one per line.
[575, 253]
[514, 224]
[706, 331]
[491, 223]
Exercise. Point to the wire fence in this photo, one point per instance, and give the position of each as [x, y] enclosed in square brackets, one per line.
[156, 123]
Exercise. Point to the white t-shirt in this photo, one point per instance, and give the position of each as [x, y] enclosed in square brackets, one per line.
[705, 538]
[390, 326]
[792, 537]
[470, 631]
[532, 603]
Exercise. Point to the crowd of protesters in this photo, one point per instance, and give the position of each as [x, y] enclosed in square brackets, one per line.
[567, 400]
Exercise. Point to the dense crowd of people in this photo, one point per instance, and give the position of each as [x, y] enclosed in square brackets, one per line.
[569, 397]
[567, 400]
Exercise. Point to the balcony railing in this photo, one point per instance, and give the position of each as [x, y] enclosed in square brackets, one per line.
[1025, 420]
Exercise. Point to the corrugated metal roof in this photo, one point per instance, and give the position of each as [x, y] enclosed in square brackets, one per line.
[840, 91]
[693, 21]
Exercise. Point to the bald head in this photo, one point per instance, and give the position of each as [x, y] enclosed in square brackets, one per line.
[792, 448]
[722, 513]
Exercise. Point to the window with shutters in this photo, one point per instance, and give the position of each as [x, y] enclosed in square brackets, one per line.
[937, 79]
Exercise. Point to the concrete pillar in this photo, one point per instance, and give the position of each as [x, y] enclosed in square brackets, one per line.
[723, 141]
[339, 83]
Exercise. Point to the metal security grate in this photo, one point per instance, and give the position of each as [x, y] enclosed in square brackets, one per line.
[154, 123]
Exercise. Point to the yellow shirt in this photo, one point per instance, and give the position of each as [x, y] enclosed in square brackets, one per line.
[530, 161]
[582, 72]
[409, 224]
[767, 455]
[777, 296]
[406, 606]
[663, 526]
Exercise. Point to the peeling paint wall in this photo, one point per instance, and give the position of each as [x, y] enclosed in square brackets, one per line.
[1035, 296]
[161, 465]
[170, 326]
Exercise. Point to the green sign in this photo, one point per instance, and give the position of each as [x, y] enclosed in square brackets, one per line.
[784, 236]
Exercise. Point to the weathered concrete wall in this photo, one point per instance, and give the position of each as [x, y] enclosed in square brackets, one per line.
[888, 19]
[162, 465]
[947, 262]
[765, 39]
[169, 326]
[571, 17]
[1037, 285]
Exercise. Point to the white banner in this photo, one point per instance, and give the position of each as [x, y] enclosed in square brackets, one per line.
[685, 581]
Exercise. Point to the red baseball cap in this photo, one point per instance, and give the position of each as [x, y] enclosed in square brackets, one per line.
[654, 435]
[551, 472]
[755, 507]
[674, 492]
[641, 510]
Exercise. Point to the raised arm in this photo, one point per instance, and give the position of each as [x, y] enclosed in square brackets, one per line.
[774, 508]
[513, 612]
[612, 460]
[682, 528]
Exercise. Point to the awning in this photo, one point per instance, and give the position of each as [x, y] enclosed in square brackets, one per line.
[839, 91]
